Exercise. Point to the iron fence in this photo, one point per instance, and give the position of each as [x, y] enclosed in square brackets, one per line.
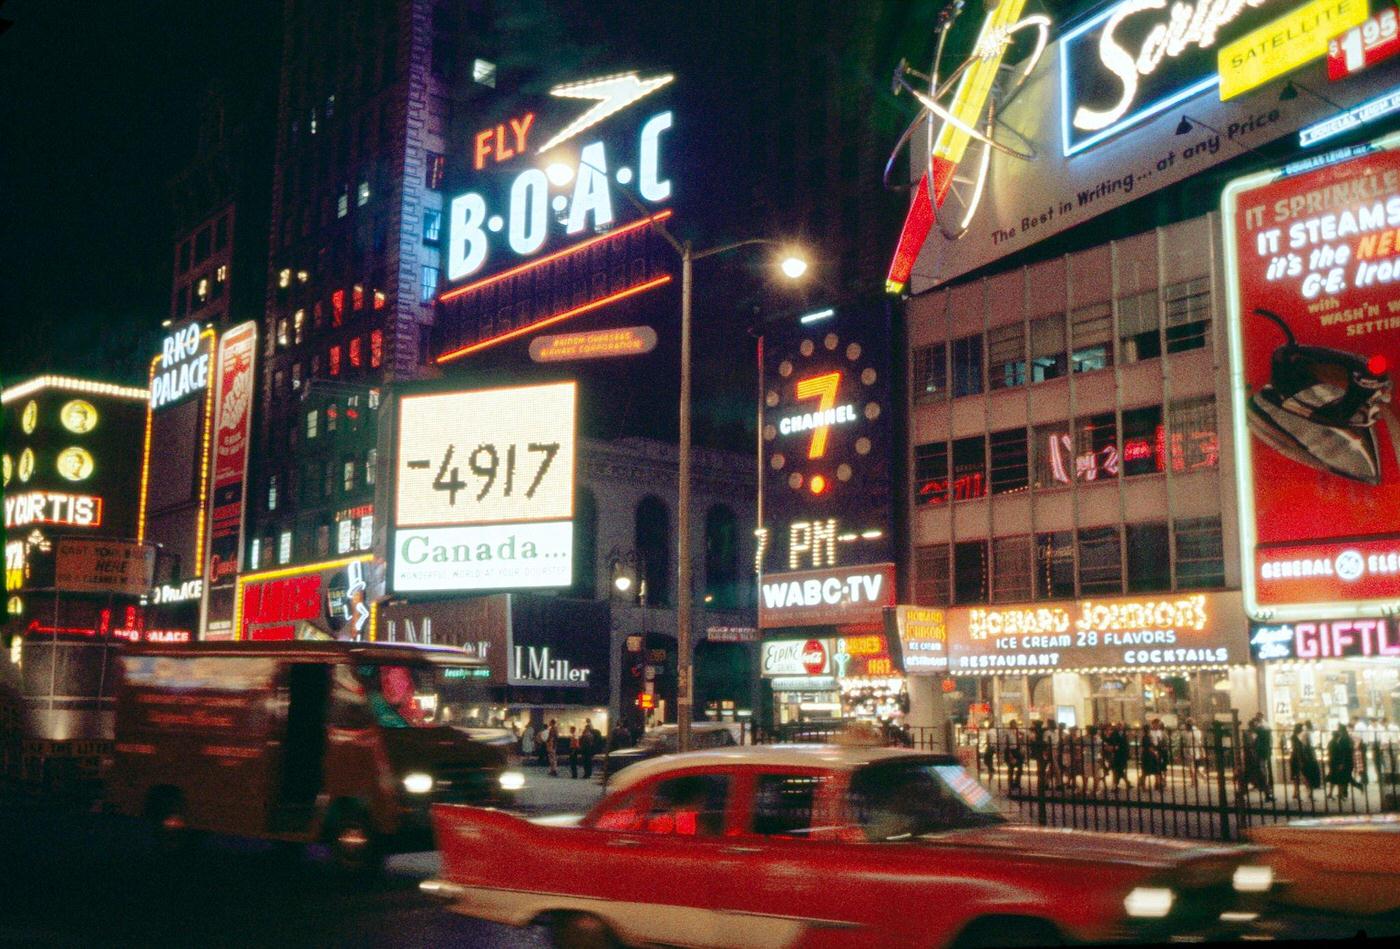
[1213, 782]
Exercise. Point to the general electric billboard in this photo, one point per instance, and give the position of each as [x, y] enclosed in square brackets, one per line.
[1313, 267]
[484, 491]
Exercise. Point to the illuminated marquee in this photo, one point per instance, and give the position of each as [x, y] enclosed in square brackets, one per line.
[328, 600]
[52, 507]
[182, 368]
[1363, 638]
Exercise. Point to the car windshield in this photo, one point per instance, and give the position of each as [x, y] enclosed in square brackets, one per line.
[897, 800]
[404, 695]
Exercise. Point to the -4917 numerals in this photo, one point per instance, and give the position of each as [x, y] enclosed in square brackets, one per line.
[485, 463]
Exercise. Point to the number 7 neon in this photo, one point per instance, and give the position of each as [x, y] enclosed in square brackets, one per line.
[823, 389]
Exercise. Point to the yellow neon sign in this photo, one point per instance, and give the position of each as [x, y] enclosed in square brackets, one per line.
[823, 388]
[1285, 44]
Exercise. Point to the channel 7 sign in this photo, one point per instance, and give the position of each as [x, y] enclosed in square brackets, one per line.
[827, 441]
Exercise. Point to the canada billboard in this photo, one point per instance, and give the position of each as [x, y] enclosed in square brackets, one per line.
[1313, 267]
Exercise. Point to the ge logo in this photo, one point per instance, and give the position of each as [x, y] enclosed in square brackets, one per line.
[1350, 566]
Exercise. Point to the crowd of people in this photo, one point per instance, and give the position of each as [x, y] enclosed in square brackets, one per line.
[1097, 758]
[578, 749]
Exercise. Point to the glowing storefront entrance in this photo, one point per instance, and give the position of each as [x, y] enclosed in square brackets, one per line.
[1128, 659]
[1330, 672]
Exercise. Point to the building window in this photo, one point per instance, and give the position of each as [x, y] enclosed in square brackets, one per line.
[1096, 447]
[371, 464]
[221, 233]
[967, 365]
[1138, 334]
[434, 168]
[931, 473]
[201, 289]
[345, 536]
[296, 377]
[1054, 565]
[272, 493]
[1091, 334]
[313, 419]
[969, 468]
[279, 384]
[328, 479]
[931, 575]
[1149, 558]
[284, 278]
[1195, 443]
[255, 553]
[1188, 314]
[1100, 561]
[348, 475]
[284, 547]
[332, 418]
[1200, 554]
[201, 246]
[1011, 569]
[432, 226]
[337, 307]
[185, 257]
[333, 360]
[298, 326]
[380, 300]
[357, 296]
[1144, 441]
[323, 540]
[1006, 356]
[484, 72]
[1010, 462]
[357, 357]
[930, 372]
[366, 532]
[362, 194]
[342, 202]
[428, 290]
[1052, 454]
[1048, 358]
[970, 573]
[376, 349]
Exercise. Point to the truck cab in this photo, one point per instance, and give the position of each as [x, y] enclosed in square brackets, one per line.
[338, 742]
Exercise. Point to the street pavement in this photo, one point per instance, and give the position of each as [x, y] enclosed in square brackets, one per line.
[71, 877]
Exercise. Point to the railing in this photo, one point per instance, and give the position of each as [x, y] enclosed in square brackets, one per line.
[1212, 783]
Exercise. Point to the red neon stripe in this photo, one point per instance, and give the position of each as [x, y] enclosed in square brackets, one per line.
[523, 268]
[917, 225]
[550, 320]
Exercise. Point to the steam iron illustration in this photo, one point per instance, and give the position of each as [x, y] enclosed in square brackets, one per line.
[1320, 407]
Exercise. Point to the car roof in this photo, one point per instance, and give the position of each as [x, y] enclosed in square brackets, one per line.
[829, 757]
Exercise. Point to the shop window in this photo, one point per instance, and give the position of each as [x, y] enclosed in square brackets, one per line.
[1139, 335]
[1188, 314]
[1091, 335]
[967, 365]
[1006, 356]
[1195, 443]
[931, 473]
[970, 573]
[1096, 447]
[782, 805]
[1100, 561]
[1054, 565]
[1144, 441]
[930, 372]
[931, 575]
[1011, 569]
[969, 468]
[1052, 455]
[1010, 461]
[432, 226]
[1149, 558]
[1200, 554]
[1048, 357]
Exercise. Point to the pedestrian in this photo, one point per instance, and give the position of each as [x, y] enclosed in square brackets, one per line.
[1360, 740]
[573, 750]
[1013, 752]
[1341, 763]
[551, 745]
[1095, 762]
[1163, 744]
[1149, 759]
[527, 742]
[1073, 760]
[1302, 759]
[588, 746]
[1259, 747]
[989, 748]
[1116, 748]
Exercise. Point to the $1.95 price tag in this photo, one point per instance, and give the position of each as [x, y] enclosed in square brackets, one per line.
[492, 456]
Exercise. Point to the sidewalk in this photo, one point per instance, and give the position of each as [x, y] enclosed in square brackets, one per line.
[543, 794]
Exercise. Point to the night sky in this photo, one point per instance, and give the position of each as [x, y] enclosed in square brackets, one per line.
[98, 109]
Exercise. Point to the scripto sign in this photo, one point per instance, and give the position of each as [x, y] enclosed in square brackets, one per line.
[493, 456]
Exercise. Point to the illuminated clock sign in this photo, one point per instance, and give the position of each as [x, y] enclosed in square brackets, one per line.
[543, 180]
[1137, 58]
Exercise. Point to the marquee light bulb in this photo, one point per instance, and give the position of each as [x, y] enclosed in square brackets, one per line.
[793, 267]
[818, 484]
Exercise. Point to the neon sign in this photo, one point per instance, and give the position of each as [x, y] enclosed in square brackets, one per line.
[183, 366]
[1364, 638]
[53, 507]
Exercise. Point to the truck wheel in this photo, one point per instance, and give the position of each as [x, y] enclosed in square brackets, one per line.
[355, 847]
[1008, 933]
[581, 931]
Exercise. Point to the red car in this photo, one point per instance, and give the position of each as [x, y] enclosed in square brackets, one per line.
[822, 845]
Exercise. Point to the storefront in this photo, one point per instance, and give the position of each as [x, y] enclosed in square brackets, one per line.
[1329, 673]
[1084, 662]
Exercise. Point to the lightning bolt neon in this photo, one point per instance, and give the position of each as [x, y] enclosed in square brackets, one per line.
[950, 146]
[614, 93]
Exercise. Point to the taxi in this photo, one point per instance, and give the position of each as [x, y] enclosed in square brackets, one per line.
[827, 845]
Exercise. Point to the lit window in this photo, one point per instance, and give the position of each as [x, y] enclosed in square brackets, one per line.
[282, 339]
[284, 547]
[201, 289]
[362, 196]
[312, 423]
[347, 475]
[296, 377]
[430, 282]
[484, 72]
[318, 314]
[344, 538]
[334, 358]
[332, 418]
[432, 226]
[337, 307]
[342, 203]
[323, 540]
[298, 326]
[373, 399]
[221, 275]
[371, 462]
[358, 296]
[366, 532]
[330, 105]
[303, 276]
[376, 349]
[357, 356]
[284, 278]
[255, 553]
[271, 494]
[311, 125]
[436, 166]
[380, 299]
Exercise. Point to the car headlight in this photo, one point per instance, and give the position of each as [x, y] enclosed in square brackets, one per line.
[1149, 902]
[1253, 879]
[511, 780]
[417, 782]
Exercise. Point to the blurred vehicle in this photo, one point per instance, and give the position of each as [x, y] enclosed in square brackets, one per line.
[1348, 864]
[663, 740]
[340, 742]
[833, 846]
